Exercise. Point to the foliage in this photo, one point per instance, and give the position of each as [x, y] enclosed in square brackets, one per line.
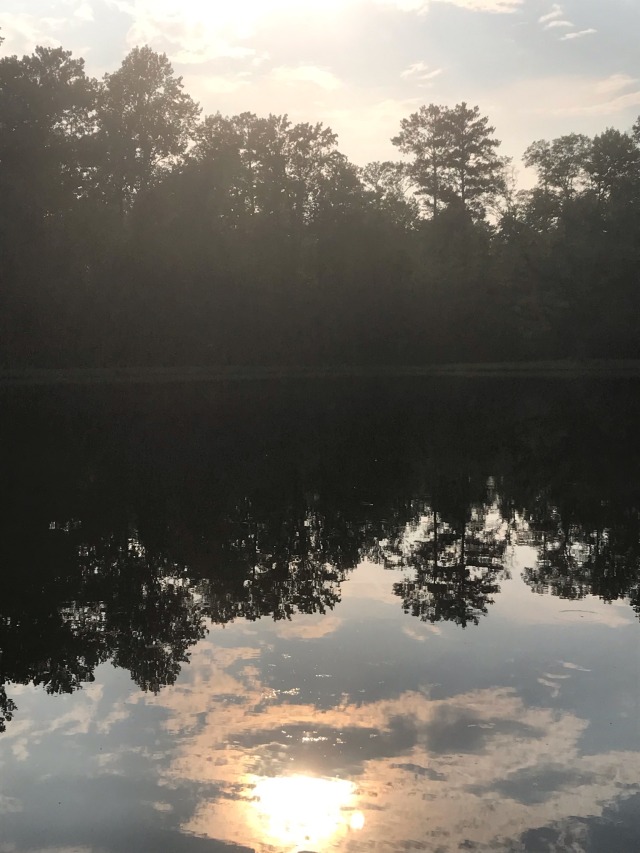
[455, 157]
[145, 123]
[135, 232]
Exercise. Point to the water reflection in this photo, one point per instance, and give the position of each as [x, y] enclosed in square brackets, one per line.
[433, 765]
[304, 811]
[454, 565]
[125, 533]
[298, 567]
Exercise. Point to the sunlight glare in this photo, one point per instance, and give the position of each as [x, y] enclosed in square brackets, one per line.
[303, 811]
[243, 16]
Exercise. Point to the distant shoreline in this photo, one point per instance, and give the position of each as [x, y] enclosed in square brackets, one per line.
[161, 375]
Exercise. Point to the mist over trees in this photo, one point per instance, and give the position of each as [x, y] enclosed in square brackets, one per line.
[134, 230]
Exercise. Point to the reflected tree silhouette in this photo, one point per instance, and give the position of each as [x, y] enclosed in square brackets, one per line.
[143, 606]
[575, 561]
[455, 568]
[263, 507]
[7, 709]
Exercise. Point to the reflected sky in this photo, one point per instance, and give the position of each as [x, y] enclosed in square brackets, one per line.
[289, 699]
[417, 738]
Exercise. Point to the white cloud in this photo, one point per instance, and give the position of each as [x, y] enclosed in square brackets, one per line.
[196, 31]
[606, 108]
[556, 12]
[84, 12]
[313, 74]
[551, 25]
[421, 73]
[225, 84]
[555, 20]
[494, 6]
[614, 83]
[578, 35]
[549, 106]
[22, 32]
[190, 32]
[420, 6]
[544, 107]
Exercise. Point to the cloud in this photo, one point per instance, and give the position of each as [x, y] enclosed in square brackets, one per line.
[419, 6]
[463, 754]
[555, 20]
[421, 73]
[537, 104]
[556, 12]
[22, 32]
[313, 74]
[605, 108]
[191, 33]
[225, 84]
[9, 804]
[498, 7]
[614, 83]
[578, 35]
[84, 12]
[305, 627]
[422, 6]
[558, 22]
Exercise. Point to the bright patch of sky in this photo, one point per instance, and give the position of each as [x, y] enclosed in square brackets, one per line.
[538, 69]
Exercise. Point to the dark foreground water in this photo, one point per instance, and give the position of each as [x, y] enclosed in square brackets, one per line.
[339, 616]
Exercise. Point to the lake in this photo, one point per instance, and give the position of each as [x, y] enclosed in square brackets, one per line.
[321, 615]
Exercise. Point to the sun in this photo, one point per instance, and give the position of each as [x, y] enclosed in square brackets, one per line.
[298, 812]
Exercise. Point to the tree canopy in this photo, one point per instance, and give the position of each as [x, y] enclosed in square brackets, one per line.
[135, 230]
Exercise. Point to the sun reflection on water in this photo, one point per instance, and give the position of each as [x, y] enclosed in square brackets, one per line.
[301, 812]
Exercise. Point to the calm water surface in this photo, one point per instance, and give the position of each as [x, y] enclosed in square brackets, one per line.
[339, 616]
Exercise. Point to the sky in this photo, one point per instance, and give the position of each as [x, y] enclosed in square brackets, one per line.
[538, 69]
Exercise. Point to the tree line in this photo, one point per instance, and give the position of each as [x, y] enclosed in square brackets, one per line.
[136, 231]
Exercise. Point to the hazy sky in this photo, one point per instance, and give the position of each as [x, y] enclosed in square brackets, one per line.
[537, 68]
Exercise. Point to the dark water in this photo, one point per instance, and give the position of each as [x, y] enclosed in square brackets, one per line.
[344, 616]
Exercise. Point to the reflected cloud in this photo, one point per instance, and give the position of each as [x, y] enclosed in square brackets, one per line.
[305, 628]
[463, 755]
[9, 804]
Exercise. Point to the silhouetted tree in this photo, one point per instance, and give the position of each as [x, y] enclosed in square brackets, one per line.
[561, 164]
[46, 138]
[134, 233]
[389, 186]
[455, 156]
[145, 123]
[613, 166]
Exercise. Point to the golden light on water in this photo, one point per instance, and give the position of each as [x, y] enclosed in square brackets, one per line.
[303, 812]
